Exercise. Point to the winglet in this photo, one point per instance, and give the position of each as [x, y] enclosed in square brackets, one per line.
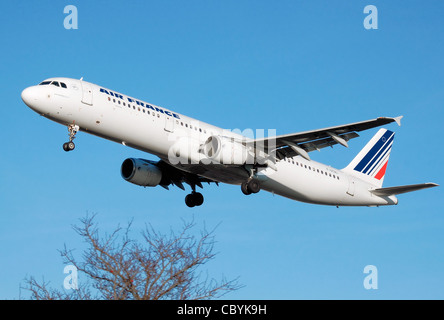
[398, 120]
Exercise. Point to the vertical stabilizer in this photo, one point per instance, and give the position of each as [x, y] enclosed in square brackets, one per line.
[371, 162]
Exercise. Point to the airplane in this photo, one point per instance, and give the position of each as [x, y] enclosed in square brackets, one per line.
[194, 152]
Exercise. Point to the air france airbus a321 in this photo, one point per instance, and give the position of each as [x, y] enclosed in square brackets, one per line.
[194, 152]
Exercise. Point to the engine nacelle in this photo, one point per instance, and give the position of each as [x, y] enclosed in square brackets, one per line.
[226, 150]
[185, 151]
[141, 172]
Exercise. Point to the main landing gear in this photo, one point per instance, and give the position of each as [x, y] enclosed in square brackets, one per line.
[250, 186]
[72, 129]
[194, 199]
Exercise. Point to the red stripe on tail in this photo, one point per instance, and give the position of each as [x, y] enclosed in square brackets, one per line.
[381, 172]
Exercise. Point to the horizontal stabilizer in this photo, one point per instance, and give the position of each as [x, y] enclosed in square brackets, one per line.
[402, 189]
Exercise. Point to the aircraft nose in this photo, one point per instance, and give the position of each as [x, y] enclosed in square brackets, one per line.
[29, 96]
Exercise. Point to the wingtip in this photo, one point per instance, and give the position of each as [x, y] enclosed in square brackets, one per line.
[398, 120]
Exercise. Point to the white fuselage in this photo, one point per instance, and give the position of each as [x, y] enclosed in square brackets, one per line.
[144, 126]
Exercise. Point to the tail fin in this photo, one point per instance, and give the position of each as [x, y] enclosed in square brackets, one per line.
[371, 162]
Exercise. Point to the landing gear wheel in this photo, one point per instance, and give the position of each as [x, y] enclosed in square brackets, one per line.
[69, 146]
[253, 186]
[194, 199]
[198, 198]
[189, 200]
[250, 187]
[244, 188]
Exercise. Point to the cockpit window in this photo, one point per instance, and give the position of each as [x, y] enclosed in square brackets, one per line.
[54, 83]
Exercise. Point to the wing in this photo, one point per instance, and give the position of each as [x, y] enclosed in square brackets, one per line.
[174, 176]
[303, 142]
[275, 148]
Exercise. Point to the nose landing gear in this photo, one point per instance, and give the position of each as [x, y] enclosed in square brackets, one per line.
[72, 129]
[69, 146]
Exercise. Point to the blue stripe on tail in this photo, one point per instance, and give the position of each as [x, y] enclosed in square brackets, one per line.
[378, 148]
[386, 148]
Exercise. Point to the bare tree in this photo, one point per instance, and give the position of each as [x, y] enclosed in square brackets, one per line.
[163, 266]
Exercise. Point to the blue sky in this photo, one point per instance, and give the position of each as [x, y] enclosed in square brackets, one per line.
[285, 65]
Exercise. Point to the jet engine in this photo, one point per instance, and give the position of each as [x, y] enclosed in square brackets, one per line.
[226, 150]
[185, 151]
[141, 172]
